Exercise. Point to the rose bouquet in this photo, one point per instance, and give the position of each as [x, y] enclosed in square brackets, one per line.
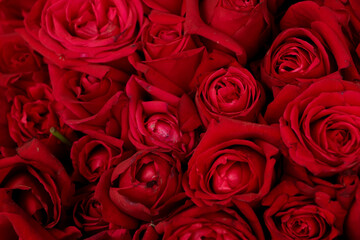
[179, 119]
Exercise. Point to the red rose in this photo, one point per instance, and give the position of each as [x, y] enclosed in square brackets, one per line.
[229, 92]
[171, 55]
[73, 33]
[87, 213]
[298, 211]
[93, 101]
[146, 186]
[92, 157]
[240, 26]
[320, 127]
[234, 160]
[160, 120]
[34, 189]
[311, 46]
[33, 114]
[214, 222]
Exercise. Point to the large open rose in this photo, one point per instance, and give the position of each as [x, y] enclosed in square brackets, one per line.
[310, 46]
[298, 211]
[72, 33]
[320, 127]
[229, 92]
[234, 160]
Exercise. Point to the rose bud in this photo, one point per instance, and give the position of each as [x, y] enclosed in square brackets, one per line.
[215, 222]
[320, 125]
[229, 92]
[93, 101]
[234, 160]
[92, 157]
[33, 114]
[147, 186]
[34, 189]
[87, 214]
[310, 46]
[171, 55]
[160, 120]
[298, 211]
[76, 33]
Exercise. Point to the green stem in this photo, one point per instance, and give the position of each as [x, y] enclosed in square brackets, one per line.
[59, 136]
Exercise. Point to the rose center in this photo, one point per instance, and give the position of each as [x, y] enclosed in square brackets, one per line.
[302, 226]
[168, 35]
[163, 129]
[230, 176]
[96, 20]
[147, 174]
[227, 92]
[98, 159]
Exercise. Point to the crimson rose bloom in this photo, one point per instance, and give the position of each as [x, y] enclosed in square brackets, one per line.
[160, 120]
[93, 101]
[320, 127]
[87, 213]
[34, 189]
[299, 211]
[171, 55]
[92, 157]
[71, 33]
[214, 222]
[234, 160]
[229, 92]
[33, 114]
[311, 46]
[240, 26]
[146, 186]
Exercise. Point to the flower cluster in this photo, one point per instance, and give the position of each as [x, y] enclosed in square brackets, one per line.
[179, 119]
